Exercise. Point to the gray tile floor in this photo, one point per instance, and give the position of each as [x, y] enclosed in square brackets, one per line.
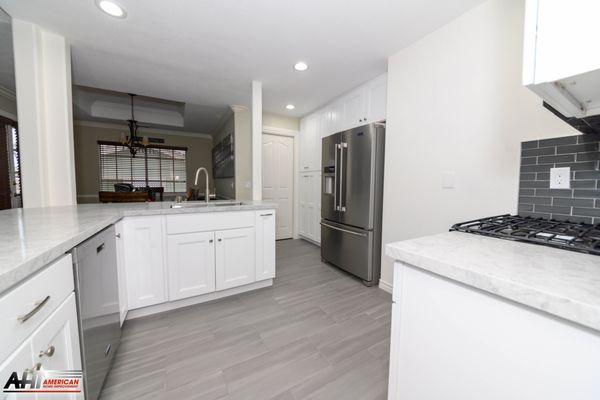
[317, 333]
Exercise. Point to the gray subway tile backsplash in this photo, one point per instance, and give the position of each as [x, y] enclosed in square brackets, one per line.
[580, 203]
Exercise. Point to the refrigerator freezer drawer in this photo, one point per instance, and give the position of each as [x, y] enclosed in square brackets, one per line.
[348, 248]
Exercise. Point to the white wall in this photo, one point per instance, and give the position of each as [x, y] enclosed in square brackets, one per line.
[455, 103]
[243, 153]
[43, 81]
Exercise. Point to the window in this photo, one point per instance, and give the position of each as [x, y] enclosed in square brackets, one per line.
[155, 166]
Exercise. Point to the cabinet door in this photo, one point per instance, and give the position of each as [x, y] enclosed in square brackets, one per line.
[308, 136]
[20, 360]
[376, 100]
[121, 274]
[191, 261]
[235, 258]
[354, 109]
[566, 33]
[265, 244]
[55, 343]
[144, 259]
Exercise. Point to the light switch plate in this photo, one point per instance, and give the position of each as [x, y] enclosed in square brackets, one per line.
[448, 179]
[560, 178]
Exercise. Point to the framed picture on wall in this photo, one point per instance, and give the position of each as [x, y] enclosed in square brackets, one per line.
[223, 158]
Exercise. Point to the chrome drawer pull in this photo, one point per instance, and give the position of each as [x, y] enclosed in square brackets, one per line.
[100, 248]
[38, 307]
[49, 352]
[266, 215]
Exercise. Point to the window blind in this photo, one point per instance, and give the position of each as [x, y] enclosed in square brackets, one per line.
[153, 166]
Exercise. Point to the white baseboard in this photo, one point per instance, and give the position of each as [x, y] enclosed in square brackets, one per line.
[172, 305]
[387, 287]
[309, 240]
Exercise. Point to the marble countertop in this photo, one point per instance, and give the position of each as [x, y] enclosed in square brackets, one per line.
[31, 238]
[560, 282]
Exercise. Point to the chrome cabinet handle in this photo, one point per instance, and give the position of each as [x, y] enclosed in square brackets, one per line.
[49, 352]
[99, 248]
[107, 350]
[266, 215]
[210, 241]
[220, 239]
[118, 235]
[38, 307]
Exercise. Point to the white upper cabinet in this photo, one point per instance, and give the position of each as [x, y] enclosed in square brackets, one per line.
[310, 135]
[354, 108]
[376, 100]
[560, 61]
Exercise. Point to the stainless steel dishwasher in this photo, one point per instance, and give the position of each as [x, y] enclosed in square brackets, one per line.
[96, 289]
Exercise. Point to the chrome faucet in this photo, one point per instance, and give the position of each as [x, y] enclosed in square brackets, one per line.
[207, 193]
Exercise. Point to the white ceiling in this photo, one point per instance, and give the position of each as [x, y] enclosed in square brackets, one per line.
[98, 105]
[208, 51]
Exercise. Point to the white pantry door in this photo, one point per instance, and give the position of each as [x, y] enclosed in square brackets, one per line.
[278, 180]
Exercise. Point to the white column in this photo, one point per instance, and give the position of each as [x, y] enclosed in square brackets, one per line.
[256, 140]
[45, 115]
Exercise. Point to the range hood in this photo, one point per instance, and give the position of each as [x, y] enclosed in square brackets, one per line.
[589, 124]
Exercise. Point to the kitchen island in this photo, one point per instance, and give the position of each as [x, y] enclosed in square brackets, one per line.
[31, 238]
[477, 317]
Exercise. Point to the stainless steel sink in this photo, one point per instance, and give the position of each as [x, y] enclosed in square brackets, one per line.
[202, 204]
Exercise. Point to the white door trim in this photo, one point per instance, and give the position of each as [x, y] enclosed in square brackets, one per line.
[271, 130]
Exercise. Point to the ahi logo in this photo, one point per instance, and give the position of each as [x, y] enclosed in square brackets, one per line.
[44, 381]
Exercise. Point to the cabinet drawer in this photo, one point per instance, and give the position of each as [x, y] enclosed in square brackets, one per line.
[24, 308]
[203, 222]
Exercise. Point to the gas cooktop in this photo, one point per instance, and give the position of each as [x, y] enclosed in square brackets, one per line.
[565, 235]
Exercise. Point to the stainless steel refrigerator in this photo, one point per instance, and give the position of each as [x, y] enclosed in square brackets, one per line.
[351, 200]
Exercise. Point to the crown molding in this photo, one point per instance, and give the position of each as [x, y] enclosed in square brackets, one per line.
[8, 93]
[237, 109]
[105, 125]
[273, 130]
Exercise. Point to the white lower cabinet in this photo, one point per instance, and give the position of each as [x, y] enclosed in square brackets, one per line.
[310, 206]
[54, 345]
[121, 272]
[191, 264]
[204, 253]
[145, 275]
[265, 251]
[56, 342]
[235, 258]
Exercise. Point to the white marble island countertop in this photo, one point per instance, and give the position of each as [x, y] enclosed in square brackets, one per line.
[31, 238]
[560, 282]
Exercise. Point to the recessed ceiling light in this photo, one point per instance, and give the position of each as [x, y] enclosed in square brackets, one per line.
[301, 66]
[111, 8]
[290, 106]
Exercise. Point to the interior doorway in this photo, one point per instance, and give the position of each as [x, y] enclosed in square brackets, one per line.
[278, 180]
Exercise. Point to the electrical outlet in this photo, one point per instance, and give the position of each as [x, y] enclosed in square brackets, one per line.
[560, 178]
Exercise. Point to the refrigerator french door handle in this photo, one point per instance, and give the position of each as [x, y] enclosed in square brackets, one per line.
[343, 146]
[335, 169]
